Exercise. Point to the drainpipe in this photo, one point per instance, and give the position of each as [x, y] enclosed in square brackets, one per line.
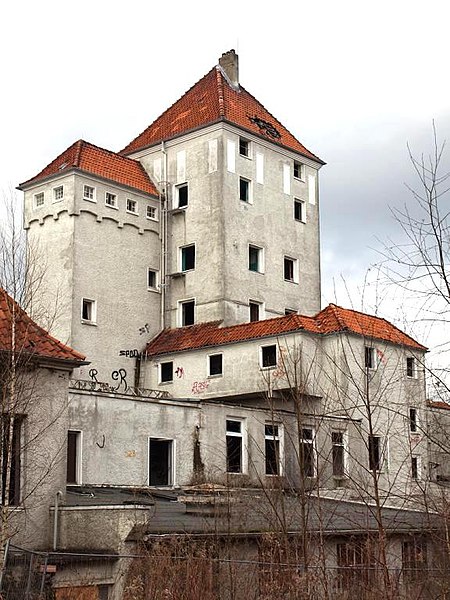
[163, 235]
[55, 519]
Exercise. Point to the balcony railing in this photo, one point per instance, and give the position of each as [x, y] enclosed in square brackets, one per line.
[88, 385]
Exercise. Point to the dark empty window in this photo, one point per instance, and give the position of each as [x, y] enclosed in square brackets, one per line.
[289, 269]
[306, 450]
[10, 458]
[269, 356]
[188, 313]
[73, 457]
[152, 279]
[272, 449]
[254, 311]
[88, 310]
[244, 189]
[244, 147]
[166, 372]
[338, 450]
[414, 559]
[413, 420]
[160, 462]
[298, 170]
[369, 357]
[215, 364]
[183, 195]
[234, 446]
[374, 443]
[410, 367]
[415, 467]
[255, 259]
[299, 210]
[188, 258]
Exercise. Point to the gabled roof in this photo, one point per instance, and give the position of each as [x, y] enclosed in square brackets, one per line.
[30, 339]
[213, 99]
[91, 159]
[332, 319]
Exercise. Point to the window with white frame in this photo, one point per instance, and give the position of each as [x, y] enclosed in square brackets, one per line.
[255, 259]
[290, 269]
[152, 279]
[182, 195]
[338, 453]
[307, 452]
[187, 257]
[410, 367]
[73, 465]
[255, 309]
[369, 357]
[152, 213]
[88, 311]
[235, 446]
[299, 170]
[272, 449]
[299, 210]
[268, 356]
[89, 193]
[415, 467]
[160, 462]
[187, 312]
[38, 200]
[166, 372]
[245, 190]
[215, 365]
[58, 193]
[132, 206]
[244, 147]
[110, 200]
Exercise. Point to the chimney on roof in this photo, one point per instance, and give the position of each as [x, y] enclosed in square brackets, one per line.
[229, 61]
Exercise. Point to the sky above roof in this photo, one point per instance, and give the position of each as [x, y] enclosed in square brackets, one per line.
[354, 82]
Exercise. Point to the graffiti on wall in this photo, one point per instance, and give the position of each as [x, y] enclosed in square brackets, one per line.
[144, 329]
[179, 372]
[134, 353]
[198, 387]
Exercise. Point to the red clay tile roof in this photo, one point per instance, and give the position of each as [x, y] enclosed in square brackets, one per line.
[332, 319]
[210, 100]
[103, 163]
[30, 339]
[438, 404]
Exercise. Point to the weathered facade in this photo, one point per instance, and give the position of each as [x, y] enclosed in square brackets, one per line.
[187, 269]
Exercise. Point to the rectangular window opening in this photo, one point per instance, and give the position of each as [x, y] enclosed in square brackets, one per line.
[244, 190]
[111, 200]
[187, 312]
[58, 193]
[152, 279]
[410, 367]
[88, 310]
[132, 206]
[244, 147]
[299, 170]
[152, 213]
[73, 470]
[166, 372]
[272, 449]
[160, 462]
[338, 450]
[413, 420]
[89, 193]
[290, 269]
[255, 311]
[369, 357]
[188, 258]
[414, 559]
[234, 446]
[415, 470]
[299, 210]
[215, 362]
[269, 356]
[307, 454]
[374, 445]
[255, 259]
[39, 200]
[10, 454]
[182, 195]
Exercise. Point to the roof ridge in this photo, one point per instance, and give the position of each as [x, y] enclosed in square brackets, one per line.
[80, 144]
[123, 151]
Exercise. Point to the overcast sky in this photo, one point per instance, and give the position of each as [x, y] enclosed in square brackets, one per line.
[354, 81]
